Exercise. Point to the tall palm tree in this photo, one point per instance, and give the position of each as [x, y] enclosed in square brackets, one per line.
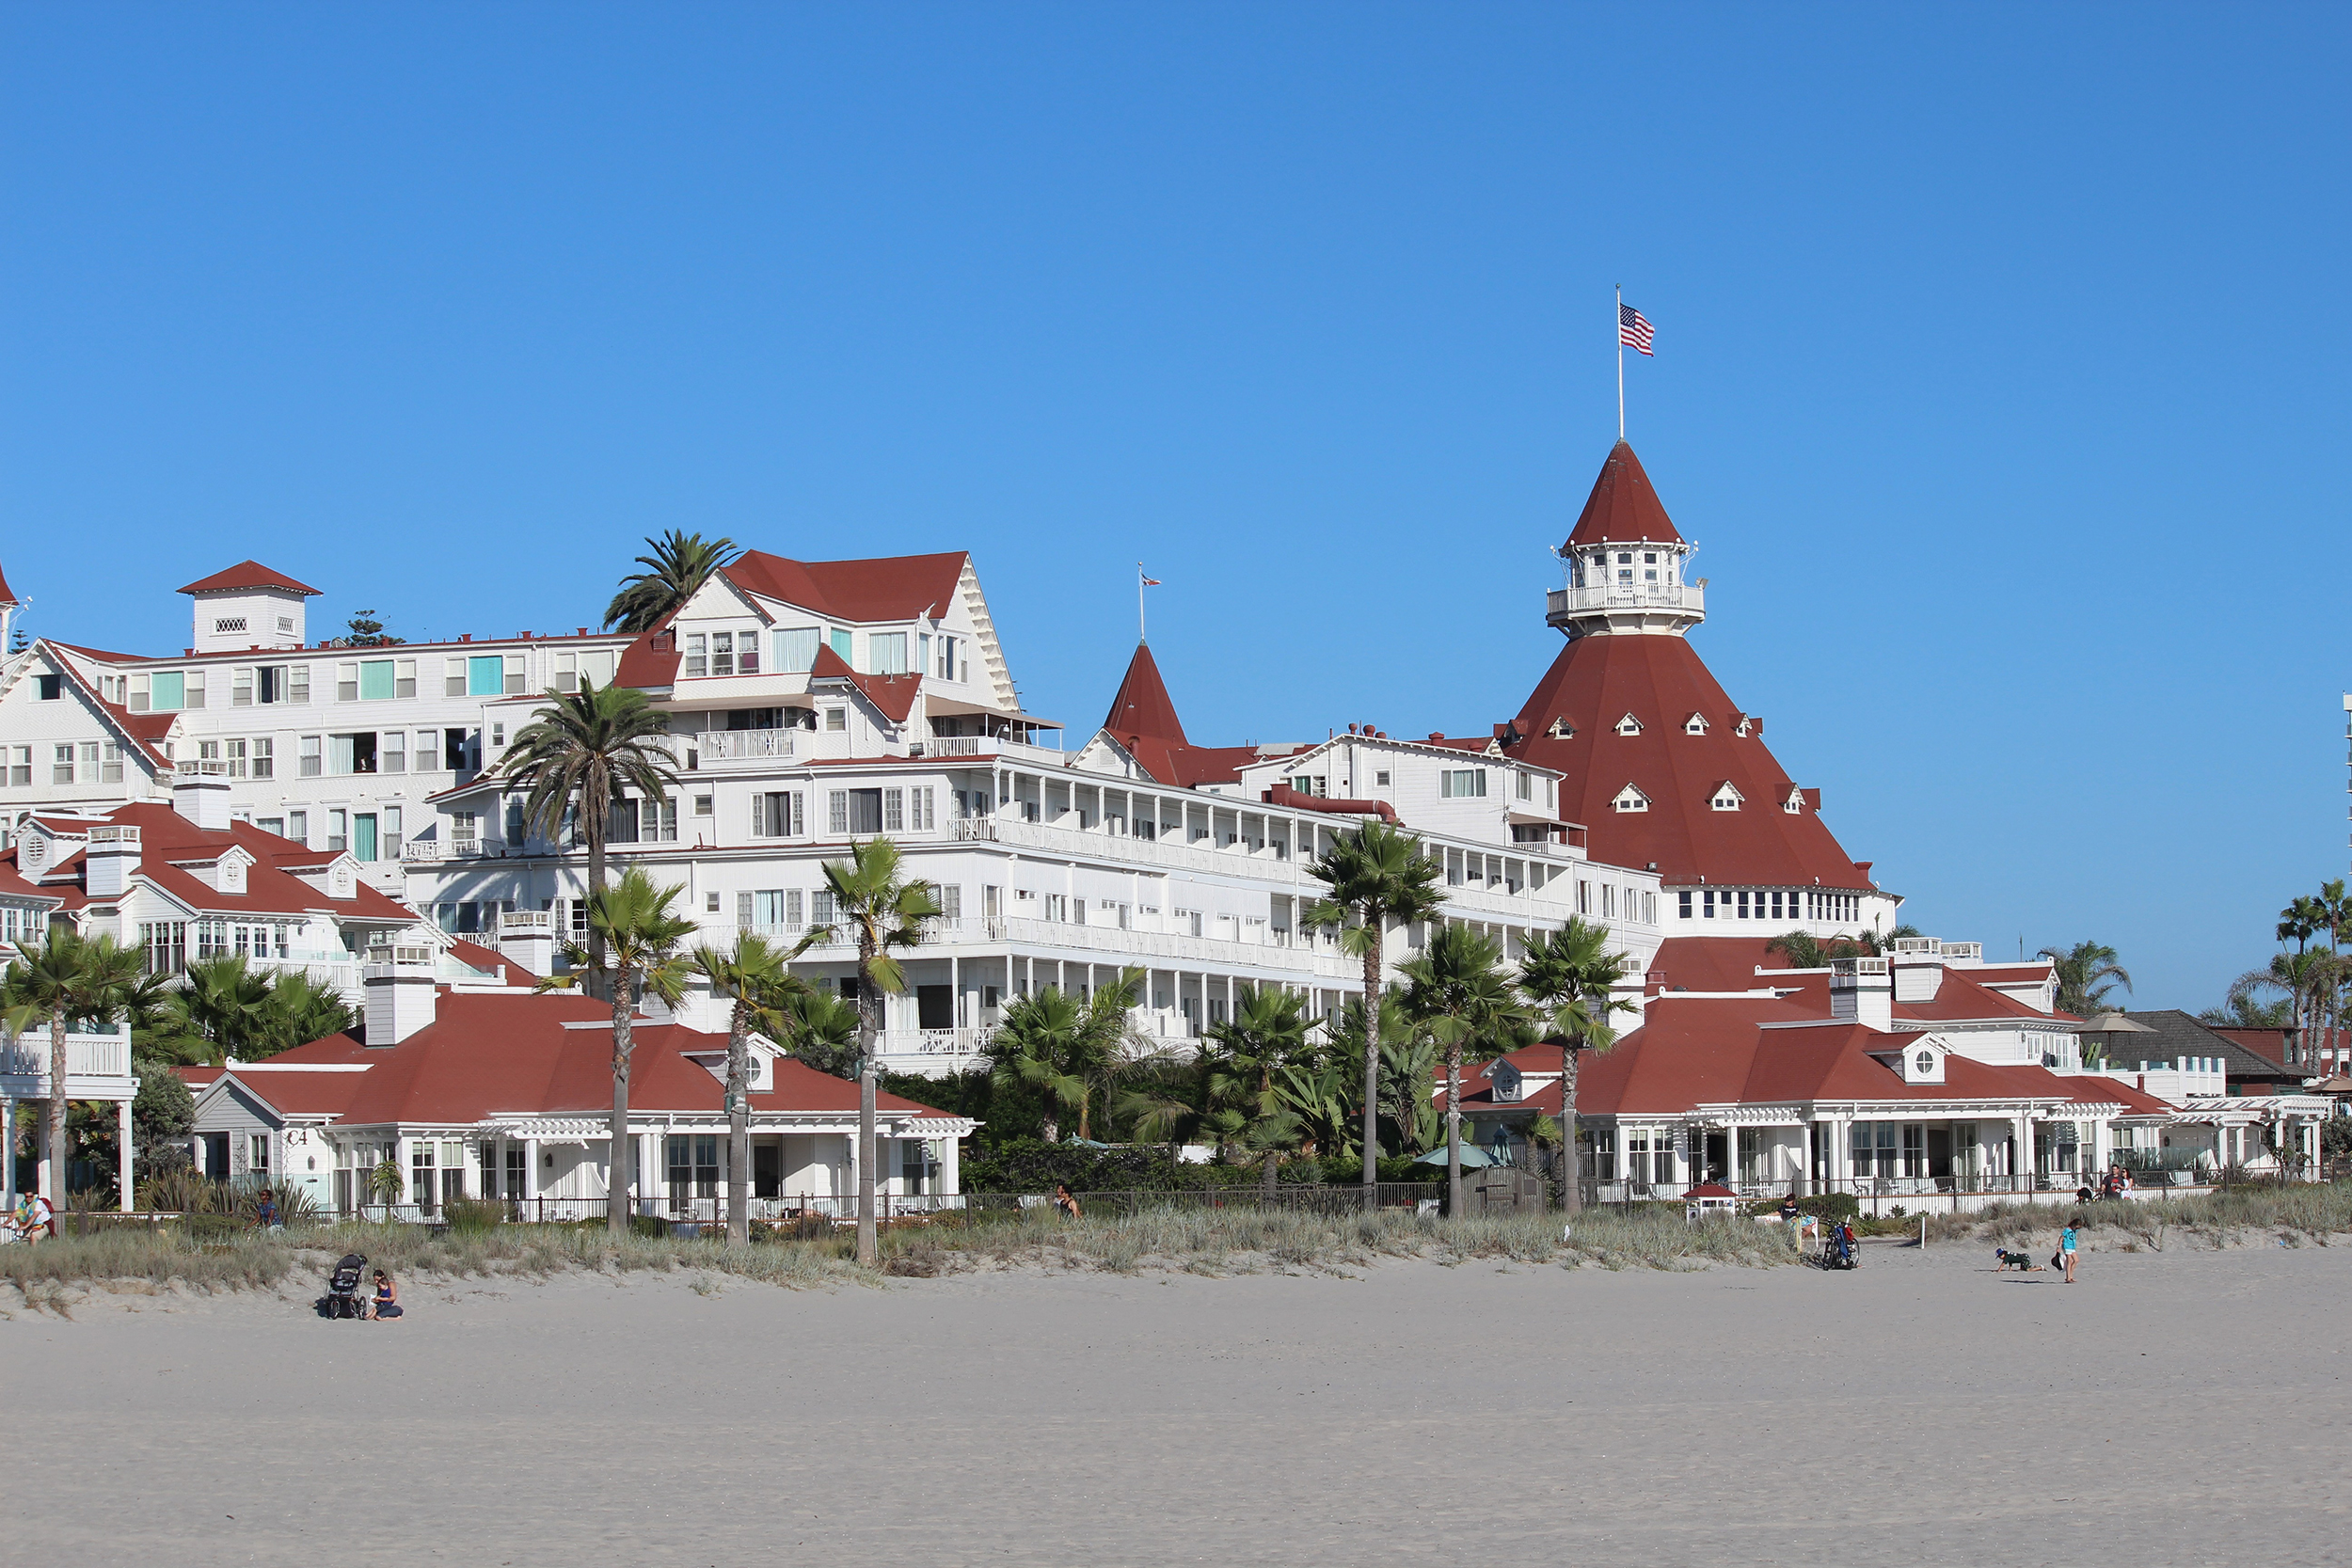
[635, 931]
[67, 976]
[885, 910]
[2301, 920]
[1409, 1080]
[678, 564]
[298, 1011]
[1373, 875]
[1456, 988]
[755, 977]
[1266, 1037]
[576, 753]
[1570, 975]
[2087, 971]
[2305, 980]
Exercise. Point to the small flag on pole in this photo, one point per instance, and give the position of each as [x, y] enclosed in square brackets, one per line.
[1633, 329]
[1152, 582]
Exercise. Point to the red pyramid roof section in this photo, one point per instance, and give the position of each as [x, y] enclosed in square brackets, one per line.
[6, 597]
[1656, 678]
[890, 588]
[1142, 706]
[246, 574]
[893, 695]
[1624, 507]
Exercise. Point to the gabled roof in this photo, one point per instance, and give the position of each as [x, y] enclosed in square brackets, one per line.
[166, 837]
[1624, 507]
[887, 588]
[1142, 708]
[2174, 1033]
[6, 597]
[487, 1055]
[246, 574]
[893, 695]
[1597, 678]
[320, 1091]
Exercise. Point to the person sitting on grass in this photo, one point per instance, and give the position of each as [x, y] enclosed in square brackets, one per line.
[386, 1302]
[265, 1216]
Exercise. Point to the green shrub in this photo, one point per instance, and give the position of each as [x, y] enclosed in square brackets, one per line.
[1831, 1206]
[473, 1215]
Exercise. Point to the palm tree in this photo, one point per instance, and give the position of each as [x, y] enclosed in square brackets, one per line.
[756, 977]
[680, 563]
[1074, 1053]
[67, 976]
[1456, 988]
[576, 753]
[2086, 973]
[1374, 874]
[1265, 1037]
[298, 1011]
[886, 911]
[2305, 980]
[2302, 920]
[223, 1002]
[820, 1029]
[634, 932]
[1571, 974]
[1409, 1077]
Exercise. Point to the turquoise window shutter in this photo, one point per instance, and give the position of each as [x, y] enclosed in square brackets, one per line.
[841, 645]
[376, 679]
[486, 677]
[170, 688]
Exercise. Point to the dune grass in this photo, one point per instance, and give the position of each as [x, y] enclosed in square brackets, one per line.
[2299, 1215]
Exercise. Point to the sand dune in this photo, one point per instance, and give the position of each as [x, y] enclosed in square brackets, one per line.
[1922, 1409]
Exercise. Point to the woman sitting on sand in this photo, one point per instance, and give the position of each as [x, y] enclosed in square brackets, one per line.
[386, 1302]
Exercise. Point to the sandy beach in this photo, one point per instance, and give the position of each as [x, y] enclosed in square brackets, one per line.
[1921, 1410]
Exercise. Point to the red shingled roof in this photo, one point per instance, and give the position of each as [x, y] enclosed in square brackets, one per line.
[893, 695]
[1143, 719]
[1624, 507]
[1598, 678]
[485, 1054]
[888, 588]
[246, 574]
[6, 597]
[1142, 705]
[297, 1093]
[166, 837]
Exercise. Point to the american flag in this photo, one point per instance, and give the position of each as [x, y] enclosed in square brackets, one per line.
[1633, 329]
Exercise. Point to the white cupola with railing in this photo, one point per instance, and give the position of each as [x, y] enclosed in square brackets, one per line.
[1624, 565]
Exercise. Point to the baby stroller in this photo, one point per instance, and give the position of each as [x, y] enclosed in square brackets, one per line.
[1838, 1250]
[343, 1288]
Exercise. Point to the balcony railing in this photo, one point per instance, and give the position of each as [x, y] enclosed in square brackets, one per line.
[456, 849]
[85, 1057]
[1561, 602]
[743, 745]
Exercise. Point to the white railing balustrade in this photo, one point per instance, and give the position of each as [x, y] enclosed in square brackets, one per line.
[742, 745]
[85, 1055]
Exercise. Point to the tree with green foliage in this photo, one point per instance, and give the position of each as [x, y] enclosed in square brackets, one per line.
[820, 1029]
[1456, 990]
[2087, 973]
[576, 756]
[366, 631]
[755, 977]
[1076, 1053]
[1570, 975]
[635, 933]
[679, 563]
[1373, 875]
[163, 1116]
[1265, 1037]
[69, 978]
[2302, 981]
[884, 910]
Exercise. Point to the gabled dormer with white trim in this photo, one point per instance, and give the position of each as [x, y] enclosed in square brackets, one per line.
[224, 872]
[1628, 725]
[1695, 724]
[1630, 798]
[1726, 796]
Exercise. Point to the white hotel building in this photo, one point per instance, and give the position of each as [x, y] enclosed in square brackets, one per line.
[811, 704]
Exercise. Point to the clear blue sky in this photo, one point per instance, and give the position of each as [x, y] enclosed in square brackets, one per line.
[2001, 373]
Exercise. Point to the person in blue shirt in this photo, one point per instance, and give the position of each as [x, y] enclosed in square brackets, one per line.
[2066, 1251]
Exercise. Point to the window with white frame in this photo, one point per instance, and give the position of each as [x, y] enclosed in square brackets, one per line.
[1628, 725]
[886, 653]
[1456, 784]
[1726, 797]
[1629, 798]
[795, 649]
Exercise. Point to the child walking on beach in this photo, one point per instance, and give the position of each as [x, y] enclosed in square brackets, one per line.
[2066, 1251]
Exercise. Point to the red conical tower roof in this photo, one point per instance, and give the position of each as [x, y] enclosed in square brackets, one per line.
[1142, 706]
[7, 597]
[1623, 508]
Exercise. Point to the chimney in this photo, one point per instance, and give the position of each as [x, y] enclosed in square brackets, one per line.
[113, 855]
[528, 938]
[200, 792]
[400, 999]
[1860, 993]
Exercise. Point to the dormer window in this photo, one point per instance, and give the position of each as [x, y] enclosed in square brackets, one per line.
[1744, 725]
[1629, 798]
[1695, 724]
[1561, 729]
[1924, 1063]
[1794, 805]
[1726, 797]
[1628, 725]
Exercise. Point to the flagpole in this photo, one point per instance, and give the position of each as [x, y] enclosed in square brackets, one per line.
[1618, 323]
[1140, 637]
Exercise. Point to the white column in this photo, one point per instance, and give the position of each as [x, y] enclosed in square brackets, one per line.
[8, 1152]
[122, 1151]
[531, 1170]
[951, 1166]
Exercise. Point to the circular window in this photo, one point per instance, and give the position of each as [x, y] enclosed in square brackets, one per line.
[1925, 1061]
